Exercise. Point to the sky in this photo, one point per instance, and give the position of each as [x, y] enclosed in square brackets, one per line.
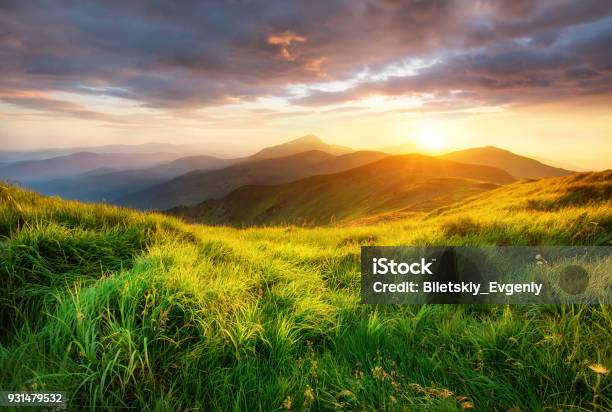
[531, 76]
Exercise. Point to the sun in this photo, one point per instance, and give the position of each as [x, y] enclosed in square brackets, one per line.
[432, 143]
[430, 136]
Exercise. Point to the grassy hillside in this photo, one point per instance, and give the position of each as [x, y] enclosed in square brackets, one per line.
[518, 166]
[395, 184]
[123, 309]
[194, 187]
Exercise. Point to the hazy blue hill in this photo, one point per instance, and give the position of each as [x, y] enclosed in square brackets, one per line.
[11, 156]
[105, 187]
[190, 163]
[518, 166]
[78, 163]
[302, 144]
[99, 171]
[108, 185]
[405, 183]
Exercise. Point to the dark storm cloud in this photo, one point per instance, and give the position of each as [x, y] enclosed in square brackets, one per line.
[193, 53]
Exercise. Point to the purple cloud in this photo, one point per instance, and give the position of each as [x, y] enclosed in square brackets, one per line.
[193, 54]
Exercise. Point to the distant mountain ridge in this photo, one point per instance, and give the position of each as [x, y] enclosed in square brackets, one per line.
[166, 180]
[518, 166]
[110, 185]
[78, 163]
[393, 184]
[301, 144]
[196, 186]
[112, 181]
[305, 156]
[12, 156]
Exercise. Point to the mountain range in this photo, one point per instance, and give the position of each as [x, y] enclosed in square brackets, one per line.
[278, 183]
[12, 156]
[79, 163]
[197, 186]
[403, 183]
[110, 185]
[109, 177]
[305, 156]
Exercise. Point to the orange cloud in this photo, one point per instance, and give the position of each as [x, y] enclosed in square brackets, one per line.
[314, 65]
[284, 40]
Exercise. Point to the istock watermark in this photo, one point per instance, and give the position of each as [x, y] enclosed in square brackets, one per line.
[509, 274]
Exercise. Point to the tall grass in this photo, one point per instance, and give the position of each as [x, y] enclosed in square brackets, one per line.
[140, 311]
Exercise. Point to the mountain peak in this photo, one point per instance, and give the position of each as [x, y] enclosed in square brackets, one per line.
[301, 144]
[309, 138]
[517, 165]
[493, 149]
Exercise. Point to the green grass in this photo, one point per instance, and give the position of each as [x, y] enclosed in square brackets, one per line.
[141, 311]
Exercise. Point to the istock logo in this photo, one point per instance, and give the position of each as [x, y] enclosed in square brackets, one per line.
[383, 266]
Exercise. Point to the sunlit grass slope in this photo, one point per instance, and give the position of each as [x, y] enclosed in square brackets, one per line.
[122, 309]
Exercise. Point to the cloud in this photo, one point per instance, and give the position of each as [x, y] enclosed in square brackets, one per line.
[574, 65]
[284, 41]
[196, 54]
[315, 65]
